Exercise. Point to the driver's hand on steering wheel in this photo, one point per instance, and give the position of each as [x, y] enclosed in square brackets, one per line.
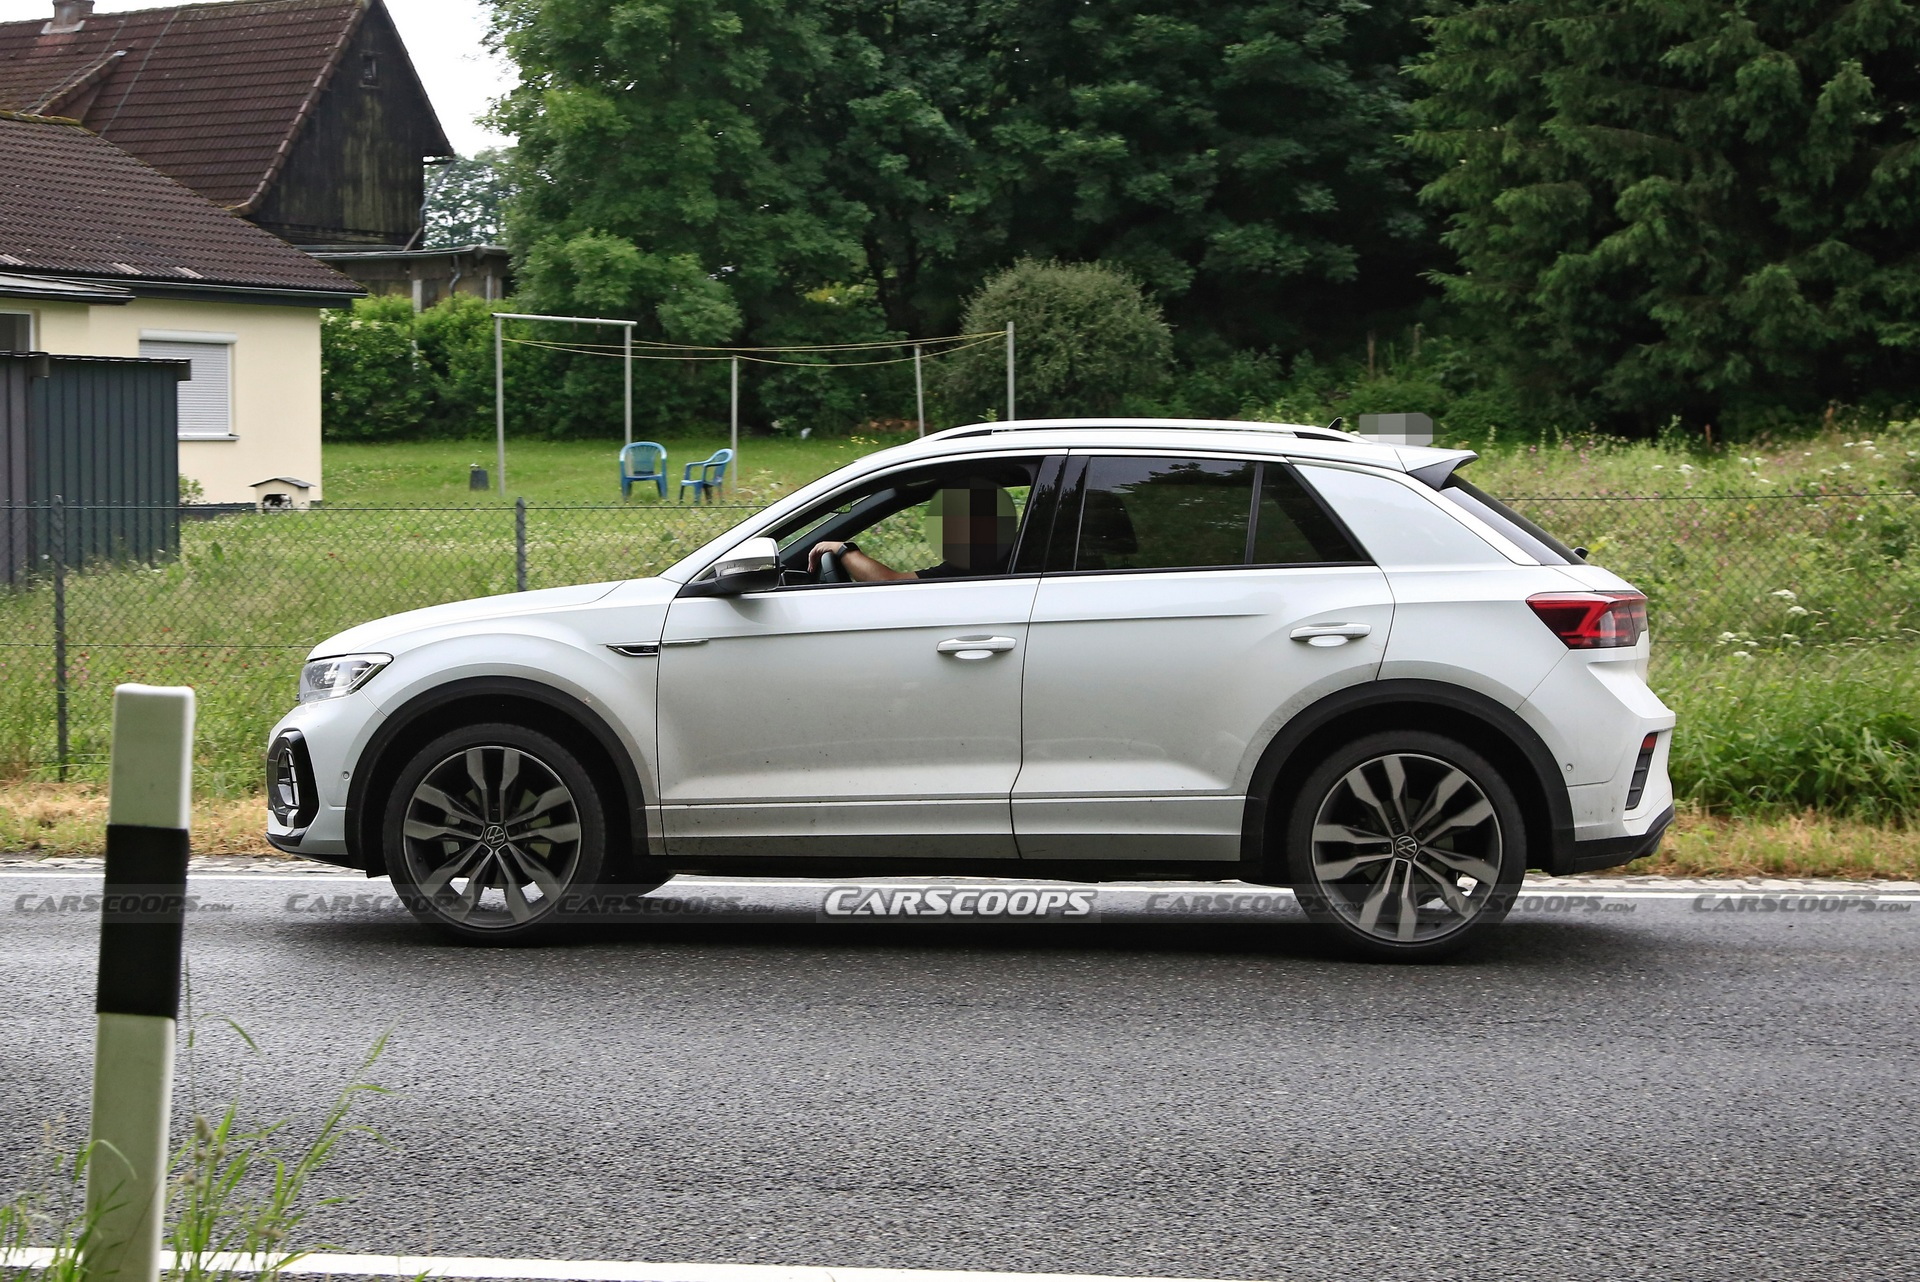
[813, 554]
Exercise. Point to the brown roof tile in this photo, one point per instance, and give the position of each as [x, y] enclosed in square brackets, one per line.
[210, 93]
[73, 204]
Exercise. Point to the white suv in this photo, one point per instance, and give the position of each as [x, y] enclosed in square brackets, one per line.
[1087, 650]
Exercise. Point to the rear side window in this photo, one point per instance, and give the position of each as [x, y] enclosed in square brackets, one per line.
[1397, 526]
[1536, 542]
[1132, 513]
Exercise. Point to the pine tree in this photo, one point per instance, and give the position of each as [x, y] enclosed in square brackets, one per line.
[1701, 208]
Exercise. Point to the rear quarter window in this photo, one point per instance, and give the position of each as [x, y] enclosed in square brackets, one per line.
[1525, 535]
[1396, 526]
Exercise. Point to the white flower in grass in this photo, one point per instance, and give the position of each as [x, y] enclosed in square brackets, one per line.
[1686, 467]
[1786, 594]
[1796, 609]
[1741, 654]
[1659, 467]
[1724, 638]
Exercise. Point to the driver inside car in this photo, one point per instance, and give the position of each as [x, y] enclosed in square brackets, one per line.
[973, 526]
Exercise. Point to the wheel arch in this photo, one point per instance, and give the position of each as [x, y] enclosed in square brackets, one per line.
[513, 699]
[1493, 730]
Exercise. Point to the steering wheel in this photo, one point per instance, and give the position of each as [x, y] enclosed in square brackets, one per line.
[831, 571]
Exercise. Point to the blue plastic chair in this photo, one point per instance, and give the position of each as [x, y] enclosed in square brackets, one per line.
[643, 455]
[713, 474]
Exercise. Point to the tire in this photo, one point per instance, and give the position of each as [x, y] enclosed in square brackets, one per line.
[1405, 846]
[495, 833]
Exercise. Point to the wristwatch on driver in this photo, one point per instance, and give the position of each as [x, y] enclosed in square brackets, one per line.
[849, 547]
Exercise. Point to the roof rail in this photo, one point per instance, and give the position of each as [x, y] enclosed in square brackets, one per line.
[1147, 424]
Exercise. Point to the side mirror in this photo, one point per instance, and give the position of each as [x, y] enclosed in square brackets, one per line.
[754, 566]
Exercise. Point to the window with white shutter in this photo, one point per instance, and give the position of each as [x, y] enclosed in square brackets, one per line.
[206, 399]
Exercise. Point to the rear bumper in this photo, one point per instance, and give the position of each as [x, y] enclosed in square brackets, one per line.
[1611, 852]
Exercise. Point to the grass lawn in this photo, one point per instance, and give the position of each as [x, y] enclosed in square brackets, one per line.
[434, 473]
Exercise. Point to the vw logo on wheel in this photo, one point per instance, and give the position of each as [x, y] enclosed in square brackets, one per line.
[1405, 846]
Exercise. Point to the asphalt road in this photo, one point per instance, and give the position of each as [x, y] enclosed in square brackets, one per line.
[1621, 1089]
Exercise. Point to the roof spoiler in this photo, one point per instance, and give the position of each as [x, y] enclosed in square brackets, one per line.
[1432, 467]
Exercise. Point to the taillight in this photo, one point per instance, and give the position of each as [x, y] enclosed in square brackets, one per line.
[1592, 620]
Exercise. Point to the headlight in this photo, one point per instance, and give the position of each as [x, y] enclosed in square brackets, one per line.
[341, 674]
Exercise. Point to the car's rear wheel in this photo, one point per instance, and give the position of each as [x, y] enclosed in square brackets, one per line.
[495, 832]
[1406, 845]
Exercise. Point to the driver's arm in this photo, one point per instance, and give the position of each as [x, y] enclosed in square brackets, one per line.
[859, 566]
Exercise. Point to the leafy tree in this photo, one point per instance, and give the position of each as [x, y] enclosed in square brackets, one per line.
[1683, 207]
[706, 166]
[1238, 158]
[1085, 339]
[464, 204]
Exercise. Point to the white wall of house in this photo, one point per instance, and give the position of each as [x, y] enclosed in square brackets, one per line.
[252, 412]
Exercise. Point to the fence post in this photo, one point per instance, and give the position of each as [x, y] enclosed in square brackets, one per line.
[1010, 412]
[520, 545]
[57, 536]
[919, 391]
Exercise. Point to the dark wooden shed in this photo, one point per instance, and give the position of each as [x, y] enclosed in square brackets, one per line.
[100, 434]
[303, 116]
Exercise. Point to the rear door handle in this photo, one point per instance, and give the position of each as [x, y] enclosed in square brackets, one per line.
[975, 647]
[1324, 634]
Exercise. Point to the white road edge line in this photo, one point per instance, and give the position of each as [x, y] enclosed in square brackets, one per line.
[1552, 892]
[447, 1266]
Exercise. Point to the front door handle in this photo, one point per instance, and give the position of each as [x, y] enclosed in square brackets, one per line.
[975, 647]
[1324, 634]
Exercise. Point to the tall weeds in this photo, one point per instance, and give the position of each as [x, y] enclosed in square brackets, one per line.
[237, 1195]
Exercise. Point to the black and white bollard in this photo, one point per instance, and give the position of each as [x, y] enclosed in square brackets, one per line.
[143, 911]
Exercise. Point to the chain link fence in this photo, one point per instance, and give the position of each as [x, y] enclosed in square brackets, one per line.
[229, 602]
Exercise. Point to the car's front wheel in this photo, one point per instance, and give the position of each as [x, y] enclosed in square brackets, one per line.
[1406, 845]
[495, 832]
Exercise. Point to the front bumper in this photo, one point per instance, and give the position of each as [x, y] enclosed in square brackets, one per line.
[326, 738]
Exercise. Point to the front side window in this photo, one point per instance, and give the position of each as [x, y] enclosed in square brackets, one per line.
[1147, 513]
[941, 521]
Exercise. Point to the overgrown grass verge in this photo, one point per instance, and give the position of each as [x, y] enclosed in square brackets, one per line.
[1772, 732]
[1795, 845]
[71, 819]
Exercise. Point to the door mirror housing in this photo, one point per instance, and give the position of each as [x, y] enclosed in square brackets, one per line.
[753, 566]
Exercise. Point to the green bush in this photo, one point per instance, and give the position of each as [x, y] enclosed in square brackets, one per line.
[1086, 340]
[374, 384]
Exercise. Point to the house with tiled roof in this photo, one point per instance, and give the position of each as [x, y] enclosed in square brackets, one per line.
[104, 255]
[303, 116]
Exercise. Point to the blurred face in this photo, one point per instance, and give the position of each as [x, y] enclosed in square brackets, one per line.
[975, 526]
